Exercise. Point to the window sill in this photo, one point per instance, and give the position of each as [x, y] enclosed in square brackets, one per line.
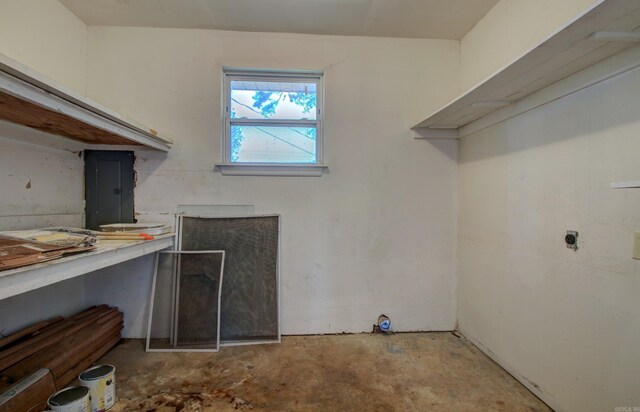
[248, 169]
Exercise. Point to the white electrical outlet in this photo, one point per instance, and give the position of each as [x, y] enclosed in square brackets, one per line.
[636, 245]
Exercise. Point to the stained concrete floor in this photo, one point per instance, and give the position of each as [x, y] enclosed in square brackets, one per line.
[401, 372]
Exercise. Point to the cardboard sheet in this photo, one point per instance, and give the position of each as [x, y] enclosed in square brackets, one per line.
[16, 252]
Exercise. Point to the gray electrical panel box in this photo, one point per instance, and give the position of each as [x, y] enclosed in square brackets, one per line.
[108, 187]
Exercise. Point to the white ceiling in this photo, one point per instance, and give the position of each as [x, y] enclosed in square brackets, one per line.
[435, 19]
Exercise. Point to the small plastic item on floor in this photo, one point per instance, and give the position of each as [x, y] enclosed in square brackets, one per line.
[383, 325]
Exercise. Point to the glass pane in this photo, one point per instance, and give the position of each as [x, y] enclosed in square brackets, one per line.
[273, 144]
[273, 100]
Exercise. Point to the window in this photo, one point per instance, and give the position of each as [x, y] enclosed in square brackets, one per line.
[272, 122]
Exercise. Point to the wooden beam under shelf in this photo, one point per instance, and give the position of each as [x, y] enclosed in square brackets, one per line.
[28, 114]
[31, 99]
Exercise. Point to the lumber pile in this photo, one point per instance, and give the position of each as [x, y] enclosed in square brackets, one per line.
[30, 393]
[65, 347]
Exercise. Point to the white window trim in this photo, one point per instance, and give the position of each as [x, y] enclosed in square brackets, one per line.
[226, 167]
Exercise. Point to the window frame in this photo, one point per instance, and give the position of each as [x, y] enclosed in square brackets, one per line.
[271, 168]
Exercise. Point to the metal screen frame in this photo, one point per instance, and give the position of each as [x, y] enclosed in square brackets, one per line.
[279, 299]
[174, 304]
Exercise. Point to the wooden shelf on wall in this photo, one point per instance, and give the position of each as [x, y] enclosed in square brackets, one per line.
[27, 278]
[570, 50]
[30, 99]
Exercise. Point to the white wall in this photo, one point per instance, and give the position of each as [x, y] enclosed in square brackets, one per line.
[60, 299]
[112, 285]
[46, 36]
[509, 29]
[126, 286]
[376, 234]
[566, 323]
[41, 186]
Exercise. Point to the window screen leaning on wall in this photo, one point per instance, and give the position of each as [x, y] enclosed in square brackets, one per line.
[249, 302]
[185, 302]
[272, 117]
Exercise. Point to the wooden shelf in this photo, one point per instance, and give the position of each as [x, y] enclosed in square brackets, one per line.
[571, 49]
[16, 281]
[31, 99]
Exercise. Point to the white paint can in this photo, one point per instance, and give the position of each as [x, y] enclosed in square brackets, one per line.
[72, 399]
[101, 382]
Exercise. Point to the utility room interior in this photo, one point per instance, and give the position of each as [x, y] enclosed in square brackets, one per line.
[304, 205]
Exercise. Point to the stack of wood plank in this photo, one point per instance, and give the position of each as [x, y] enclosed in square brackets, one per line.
[65, 347]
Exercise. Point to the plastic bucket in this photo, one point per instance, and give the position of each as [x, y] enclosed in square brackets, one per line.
[101, 382]
[73, 399]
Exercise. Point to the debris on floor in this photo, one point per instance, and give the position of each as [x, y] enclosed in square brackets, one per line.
[411, 372]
